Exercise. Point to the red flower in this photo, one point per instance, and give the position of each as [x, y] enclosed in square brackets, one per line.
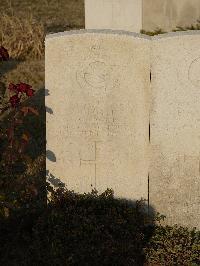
[22, 88]
[14, 100]
[25, 88]
[30, 92]
[4, 56]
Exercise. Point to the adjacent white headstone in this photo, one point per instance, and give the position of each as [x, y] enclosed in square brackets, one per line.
[113, 14]
[169, 14]
[175, 128]
[135, 15]
[98, 84]
[98, 112]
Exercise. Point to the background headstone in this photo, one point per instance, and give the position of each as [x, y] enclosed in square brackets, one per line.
[113, 14]
[135, 15]
[168, 14]
[175, 128]
[98, 84]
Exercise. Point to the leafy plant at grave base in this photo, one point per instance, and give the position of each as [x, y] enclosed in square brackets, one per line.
[173, 245]
[192, 27]
[93, 229]
[178, 28]
[13, 145]
[73, 229]
[152, 33]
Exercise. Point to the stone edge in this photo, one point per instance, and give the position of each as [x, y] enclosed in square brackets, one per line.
[114, 32]
[123, 33]
[176, 34]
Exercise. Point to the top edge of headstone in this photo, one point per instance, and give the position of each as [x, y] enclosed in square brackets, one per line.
[123, 33]
[176, 34]
[90, 31]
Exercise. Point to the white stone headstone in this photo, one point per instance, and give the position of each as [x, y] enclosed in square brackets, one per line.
[98, 84]
[113, 14]
[175, 127]
[169, 14]
[99, 106]
[135, 15]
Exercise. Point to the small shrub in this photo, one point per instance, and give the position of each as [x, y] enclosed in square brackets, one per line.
[15, 189]
[92, 229]
[173, 245]
[88, 229]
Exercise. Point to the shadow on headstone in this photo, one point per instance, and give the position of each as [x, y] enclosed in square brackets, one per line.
[99, 229]
[116, 229]
[47, 92]
[54, 181]
[50, 156]
[49, 110]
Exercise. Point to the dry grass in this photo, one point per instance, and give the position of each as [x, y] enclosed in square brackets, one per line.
[23, 37]
[24, 24]
[53, 14]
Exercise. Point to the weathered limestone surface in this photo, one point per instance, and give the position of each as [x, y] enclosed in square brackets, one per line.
[113, 14]
[175, 128]
[168, 14]
[98, 84]
[135, 15]
[99, 104]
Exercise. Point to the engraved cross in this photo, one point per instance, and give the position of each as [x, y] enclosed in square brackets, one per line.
[92, 162]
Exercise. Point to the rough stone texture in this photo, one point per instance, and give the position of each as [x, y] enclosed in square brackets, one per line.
[113, 14]
[98, 111]
[168, 14]
[175, 128]
[135, 15]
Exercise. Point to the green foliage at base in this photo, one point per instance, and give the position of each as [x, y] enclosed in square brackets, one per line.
[92, 229]
[173, 245]
[178, 28]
